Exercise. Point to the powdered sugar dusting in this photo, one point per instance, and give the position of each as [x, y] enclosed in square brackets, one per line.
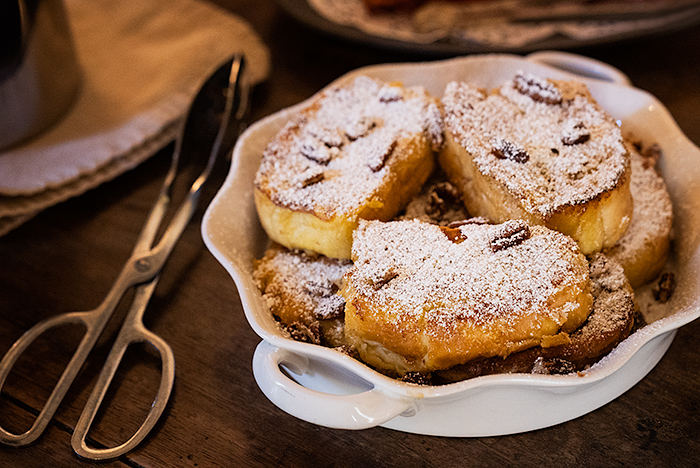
[441, 280]
[652, 215]
[575, 150]
[351, 134]
[301, 284]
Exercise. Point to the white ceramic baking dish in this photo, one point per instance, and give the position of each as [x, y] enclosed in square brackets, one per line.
[328, 388]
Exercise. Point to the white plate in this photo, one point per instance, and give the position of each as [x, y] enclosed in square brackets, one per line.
[395, 31]
[325, 387]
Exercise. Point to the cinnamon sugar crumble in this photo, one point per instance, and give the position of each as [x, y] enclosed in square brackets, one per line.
[613, 300]
[508, 234]
[652, 213]
[311, 283]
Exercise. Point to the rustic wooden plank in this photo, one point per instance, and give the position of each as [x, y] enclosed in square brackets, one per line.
[52, 449]
[67, 257]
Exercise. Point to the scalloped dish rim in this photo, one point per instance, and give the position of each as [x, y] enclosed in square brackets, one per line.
[231, 232]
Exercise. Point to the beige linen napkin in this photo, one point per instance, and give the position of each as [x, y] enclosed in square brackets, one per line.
[142, 61]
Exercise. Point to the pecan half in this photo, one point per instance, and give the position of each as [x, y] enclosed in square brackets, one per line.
[380, 155]
[330, 307]
[310, 177]
[331, 137]
[360, 128]
[504, 149]
[390, 93]
[538, 89]
[664, 288]
[382, 276]
[574, 133]
[442, 195]
[508, 234]
[320, 289]
[307, 333]
[315, 150]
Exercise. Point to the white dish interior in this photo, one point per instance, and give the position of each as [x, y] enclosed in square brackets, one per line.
[328, 388]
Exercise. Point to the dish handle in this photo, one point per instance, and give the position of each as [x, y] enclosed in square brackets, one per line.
[580, 65]
[362, 410]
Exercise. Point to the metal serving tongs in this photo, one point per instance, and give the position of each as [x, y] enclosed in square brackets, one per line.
[141, 270]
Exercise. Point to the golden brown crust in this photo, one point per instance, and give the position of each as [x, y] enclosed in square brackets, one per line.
[611, 321]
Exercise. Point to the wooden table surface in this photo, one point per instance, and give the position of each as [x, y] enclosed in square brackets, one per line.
[67, 257]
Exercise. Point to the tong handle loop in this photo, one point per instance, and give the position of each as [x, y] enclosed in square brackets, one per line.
[132, 332]
[67, 377]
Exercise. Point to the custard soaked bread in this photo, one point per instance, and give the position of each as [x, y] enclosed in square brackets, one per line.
[359, 151]
[539, 150]
[643, 250]
[301, 291]
[421, 297]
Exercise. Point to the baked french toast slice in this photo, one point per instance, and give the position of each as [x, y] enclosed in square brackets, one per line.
[358, 151]
[542, 151]
[422, 297]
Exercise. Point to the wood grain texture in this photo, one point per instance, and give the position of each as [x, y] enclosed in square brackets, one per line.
[66, 258]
